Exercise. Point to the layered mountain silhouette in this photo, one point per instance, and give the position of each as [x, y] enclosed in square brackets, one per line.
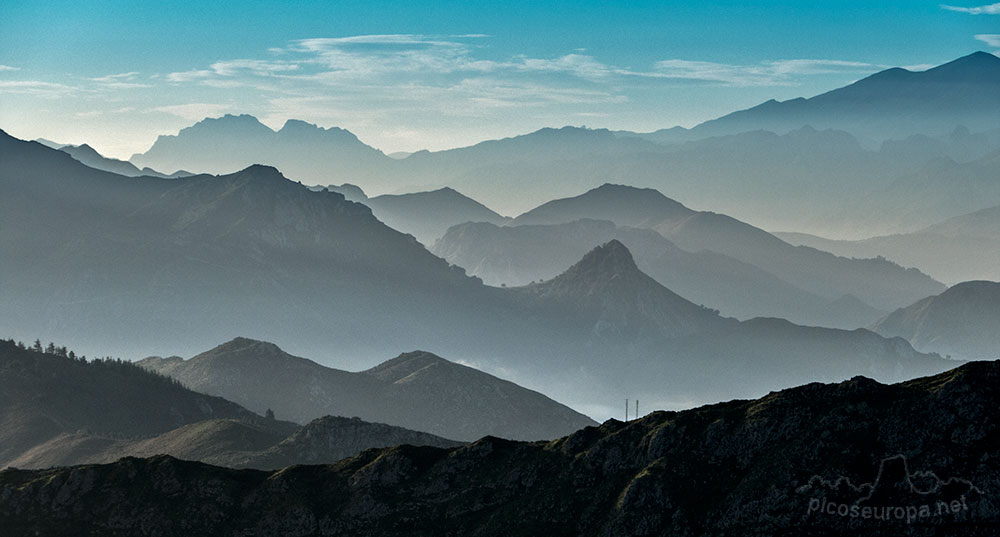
[853, 144]
[958, 249]
[963, 322]
[206, 256]
[96, 258]
[89, 156]
[416, 390]
[521, 254]
[662, 474]
[629, 333]
[425, 215]
[884, 285]
[893, 103]
[59, 410]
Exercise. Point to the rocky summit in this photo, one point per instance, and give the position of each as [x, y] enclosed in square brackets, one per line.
[854, 458]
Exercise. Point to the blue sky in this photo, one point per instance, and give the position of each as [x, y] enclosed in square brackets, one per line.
[412, 75]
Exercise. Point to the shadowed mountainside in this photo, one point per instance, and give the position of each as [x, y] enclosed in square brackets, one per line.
[416, 390]
[56, 411]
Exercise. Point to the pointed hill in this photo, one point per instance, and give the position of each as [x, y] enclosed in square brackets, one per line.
[608, 291]
[418, 391]
[520, 254]
[885, 284]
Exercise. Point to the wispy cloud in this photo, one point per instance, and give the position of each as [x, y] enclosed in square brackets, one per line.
[991, 9]
[9, 68]
[35, 87]
[992, 40]
[772, 73]
[120, 81]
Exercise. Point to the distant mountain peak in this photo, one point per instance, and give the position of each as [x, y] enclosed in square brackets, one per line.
[262, 172]
[978, 58]
[242, 343]
[610, 259]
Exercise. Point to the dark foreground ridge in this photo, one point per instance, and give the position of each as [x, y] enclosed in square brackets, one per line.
[920, 458]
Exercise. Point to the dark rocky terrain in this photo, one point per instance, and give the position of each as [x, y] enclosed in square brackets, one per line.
[780, 465]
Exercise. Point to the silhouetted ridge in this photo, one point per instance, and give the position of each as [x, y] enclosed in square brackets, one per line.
[775, 460]
[974, 67]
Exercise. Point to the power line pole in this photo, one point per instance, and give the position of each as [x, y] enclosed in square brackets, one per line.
[626, 409]
[636, 409]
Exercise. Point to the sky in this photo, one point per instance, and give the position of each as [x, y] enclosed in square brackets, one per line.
[413, 75]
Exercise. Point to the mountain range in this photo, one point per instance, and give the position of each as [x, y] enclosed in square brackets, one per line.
[860, 145]
[89, 156]
[518, 255]
[416, 390]
[884, 285]
[762, 467]
[890, 104]
[96, 258]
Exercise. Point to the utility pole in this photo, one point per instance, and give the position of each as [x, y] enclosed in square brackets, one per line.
[626, 409]
[636, 409]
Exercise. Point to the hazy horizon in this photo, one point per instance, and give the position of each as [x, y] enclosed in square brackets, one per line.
[458, 75]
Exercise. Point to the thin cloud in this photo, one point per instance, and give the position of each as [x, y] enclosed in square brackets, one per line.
[9, 68]
[35, 87]
[120, 81]
[991, 9]
[772, 73]
[116, 78]
[190, 76]
[992, 40]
